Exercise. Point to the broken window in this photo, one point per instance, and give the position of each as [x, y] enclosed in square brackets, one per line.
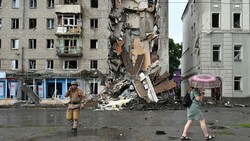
[216, 53]
[70, 64]
[14, 64]
[50, 3]
[14, 23]
[237, 20]
[93, 44]
[50, 23]
[70, 1]
[32, 23]
[93, 23]
[93, 64]
[237, 83]
[32, 64]
[32, 43]
[14, 43]
[50, 43]
[15, 3]
[237, 52]
[94, 4]
[215, 20]
[33, 3]
[50, 64]
[94, 88]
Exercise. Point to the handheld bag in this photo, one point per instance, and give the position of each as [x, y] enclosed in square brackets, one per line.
[187, 101]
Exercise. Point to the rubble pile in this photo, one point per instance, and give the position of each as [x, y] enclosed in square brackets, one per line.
[137, 75]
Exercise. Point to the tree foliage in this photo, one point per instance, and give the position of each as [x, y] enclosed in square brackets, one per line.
[175, 51]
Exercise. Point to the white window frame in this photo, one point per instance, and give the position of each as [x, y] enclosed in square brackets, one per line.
[33, 3]
[50, 64]
[32, 43]
[219, 52]
[50, 23]
[14, 43]
[50, 3]
[239, 52]
[14, 23]
[15, 4]
[66, 65]
[50, 43]
[32, 64]
[239, 21]
[239, 80]
[93, 63]
[14, 64]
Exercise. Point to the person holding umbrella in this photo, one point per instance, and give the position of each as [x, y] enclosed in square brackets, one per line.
[194, 113]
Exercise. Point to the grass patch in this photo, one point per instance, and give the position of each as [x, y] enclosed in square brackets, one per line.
[245, 125]
[226, 132]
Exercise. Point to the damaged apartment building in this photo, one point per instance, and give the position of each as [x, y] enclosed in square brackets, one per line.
[108, 46]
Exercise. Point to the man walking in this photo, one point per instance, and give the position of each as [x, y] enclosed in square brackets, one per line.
[76, 99]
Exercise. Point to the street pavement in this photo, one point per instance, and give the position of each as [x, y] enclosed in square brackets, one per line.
[49, 124]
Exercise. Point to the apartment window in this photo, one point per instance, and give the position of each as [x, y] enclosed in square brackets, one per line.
[14, 64]
[50, 43]
[50, 23]
[94, 88]
[215, 20]
[32, 23]
[194, 33]
[32, 43]
[216, 53]
[93, 64]
[93, 23]
[238, 83]
[33, 3]
[0, 43]
[70, 1]
[32, 64]
[93, 44]
[15, 4]
[14, 43]
[14, 23]
[237, 20]
[70, 64]
[0, 3]
[0, 22]
[50, 3]
[94, 4]
[237, 52]
[50, 64]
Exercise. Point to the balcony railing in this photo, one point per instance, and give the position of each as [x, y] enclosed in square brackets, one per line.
[73, 9]
[72, 51]
[68, 30]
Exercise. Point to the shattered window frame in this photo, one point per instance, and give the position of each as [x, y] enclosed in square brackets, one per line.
[50, 64]
[32, 64]
[93, 44]
[94, 3]
[70, 65]
[32, 23]
[238, 53]
[94, 88]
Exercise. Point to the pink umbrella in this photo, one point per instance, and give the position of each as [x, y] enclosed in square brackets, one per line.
[205, 81]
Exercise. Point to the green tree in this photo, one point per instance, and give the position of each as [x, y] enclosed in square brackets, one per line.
[175, 50]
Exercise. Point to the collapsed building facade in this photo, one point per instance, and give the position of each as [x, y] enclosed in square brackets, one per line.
[110, 46]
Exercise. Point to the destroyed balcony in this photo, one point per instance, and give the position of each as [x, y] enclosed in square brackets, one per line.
[72, 51]
[68, 30]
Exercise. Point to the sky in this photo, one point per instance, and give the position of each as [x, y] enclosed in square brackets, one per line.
[176, 8]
